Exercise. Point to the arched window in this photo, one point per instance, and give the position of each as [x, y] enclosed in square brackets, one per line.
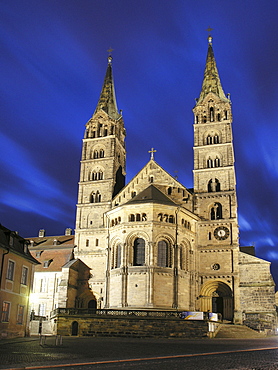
[216, 211]
[100, 175]
[105, 131]
[217, 162]
[160, 217]
[144, 217]
[92, 197]
[211, 114]
[169, 191]
[118, 256]
[131, 218]
[171, 219]
[226, 114]
[213, 185]
[209, 163]
[139, 252]
[138, 217]
[163, 254]
[151, 178]
[95, 154]
[216, 139]
[204, 119]
[218, 117]
[133, 194]
[209, 140]
[98, 197]
[101, 153]
[87, 242]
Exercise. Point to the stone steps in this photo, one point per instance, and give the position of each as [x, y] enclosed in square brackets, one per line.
[237, 331]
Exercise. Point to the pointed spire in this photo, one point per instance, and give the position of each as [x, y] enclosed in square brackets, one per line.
[107, 99]
[211, 82]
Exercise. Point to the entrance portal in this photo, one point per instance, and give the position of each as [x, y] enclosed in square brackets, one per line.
[216, 296]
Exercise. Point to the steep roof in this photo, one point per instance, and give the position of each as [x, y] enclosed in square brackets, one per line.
[107, 100]
[14, 243]
[211, 82]
[151, 194]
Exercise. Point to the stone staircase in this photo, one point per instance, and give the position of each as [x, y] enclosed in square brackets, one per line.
[237, 332]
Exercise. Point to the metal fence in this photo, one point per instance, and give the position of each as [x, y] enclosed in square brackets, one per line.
[114, 313]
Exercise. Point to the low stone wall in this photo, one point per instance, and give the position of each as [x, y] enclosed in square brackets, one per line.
[134, 327]
[261, 321]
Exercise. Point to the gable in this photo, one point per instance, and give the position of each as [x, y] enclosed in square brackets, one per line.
[153, 174]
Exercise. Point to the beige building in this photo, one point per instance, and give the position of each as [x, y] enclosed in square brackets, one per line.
[60, 280]
[16, 279]
[154, 244]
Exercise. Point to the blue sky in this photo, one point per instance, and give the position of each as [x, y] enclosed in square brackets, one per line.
[52, 64]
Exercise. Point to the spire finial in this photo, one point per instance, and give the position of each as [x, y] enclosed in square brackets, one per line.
[209, 35]
[110, 55]
[152, 151]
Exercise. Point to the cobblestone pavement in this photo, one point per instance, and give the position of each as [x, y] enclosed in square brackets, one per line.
[220, 353]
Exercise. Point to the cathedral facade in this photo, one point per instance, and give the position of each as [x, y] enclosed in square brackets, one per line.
[153, 243]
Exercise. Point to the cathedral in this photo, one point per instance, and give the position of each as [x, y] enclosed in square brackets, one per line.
[154, 244]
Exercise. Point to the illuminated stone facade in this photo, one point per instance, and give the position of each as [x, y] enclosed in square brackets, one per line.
[154, 244]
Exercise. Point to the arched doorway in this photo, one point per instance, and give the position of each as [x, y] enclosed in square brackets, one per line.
[74, 328]
[216, 296]
[92, 305]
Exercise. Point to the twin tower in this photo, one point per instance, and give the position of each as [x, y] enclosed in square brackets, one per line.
[153, 243]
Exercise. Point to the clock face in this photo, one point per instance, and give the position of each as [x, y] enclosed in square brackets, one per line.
[221, 232]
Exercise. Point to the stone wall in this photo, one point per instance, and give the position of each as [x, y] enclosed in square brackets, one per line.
[134, 327]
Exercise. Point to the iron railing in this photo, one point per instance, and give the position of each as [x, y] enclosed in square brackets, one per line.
[114, 313]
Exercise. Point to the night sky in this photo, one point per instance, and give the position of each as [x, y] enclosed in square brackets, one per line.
[52, 64]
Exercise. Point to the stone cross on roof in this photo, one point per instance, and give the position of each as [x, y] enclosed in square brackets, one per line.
[152, 151]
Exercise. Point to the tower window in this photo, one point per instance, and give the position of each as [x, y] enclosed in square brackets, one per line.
[218, 117]
[211, 114]
[131, 218]
[139, 252]
[209, 163]
[216, 139]
[138, 217]
[209, 140]
[213, 185]
[217, 162]
[95, 154]
[101, 153]
[216, 211]
[169, 191]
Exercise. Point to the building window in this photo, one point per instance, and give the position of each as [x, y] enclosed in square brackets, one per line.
[42, 309]
[96, 242]
[213, 185]
[24, 275]
[87, 242]
[139, 252]
[10, 270]
[20, 314]
[43, 285]
[163, 255]
[5, 312]
[216, 211]
[118, 256]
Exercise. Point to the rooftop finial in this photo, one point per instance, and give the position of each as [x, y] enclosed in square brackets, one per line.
[110, 55]
[209, 35]
[152, 151]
